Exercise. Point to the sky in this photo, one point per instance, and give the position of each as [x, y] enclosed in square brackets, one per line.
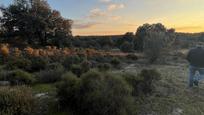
[111, 17]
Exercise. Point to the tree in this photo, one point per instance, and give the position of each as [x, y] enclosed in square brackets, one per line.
[126, 47]
[34, 21]
[106, 43]
[152, 38]
[127, 37]
[140, 34]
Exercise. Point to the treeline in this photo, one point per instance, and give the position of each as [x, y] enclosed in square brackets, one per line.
[35, 23]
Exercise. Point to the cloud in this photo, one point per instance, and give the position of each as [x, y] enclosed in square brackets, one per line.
[105, 1]
[78, 24]
[106, 13]
[94, 13]
[115, 18]
[112, 7]
[100, 14]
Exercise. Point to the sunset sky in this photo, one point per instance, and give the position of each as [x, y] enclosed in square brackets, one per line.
[108, 17]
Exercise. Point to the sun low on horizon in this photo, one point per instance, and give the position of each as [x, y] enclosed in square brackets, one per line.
[112, 17]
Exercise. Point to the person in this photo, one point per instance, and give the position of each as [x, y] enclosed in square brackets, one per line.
[195, 58]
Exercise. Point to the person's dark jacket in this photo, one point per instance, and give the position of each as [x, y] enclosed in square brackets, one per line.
[196, 57]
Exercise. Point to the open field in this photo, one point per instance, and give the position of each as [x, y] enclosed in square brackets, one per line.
[172, 95]
[99, 57]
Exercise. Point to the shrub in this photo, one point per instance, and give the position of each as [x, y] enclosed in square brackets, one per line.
[50, 75]
[38, 63]
[101, 59]
[132, 57]
[85, 66]
[68, 90]
[142, 83]
[104, 67]
[54, 66]
[69, 61]
[148, 76]
[115, 62]
[127, 47]
[16, 101]
[76, 69]
[96, 93]
[4, 75]
[20, 77]
[18, 63]
[134, 81]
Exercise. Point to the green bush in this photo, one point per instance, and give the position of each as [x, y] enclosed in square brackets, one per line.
[104, 67]
[85, 66]
[76, 69]
[96, 93]
[38, 63]
[68, 91]
[101, 59]
[115, 62]
[149, 76]
[18, 63]
[69, 61]
[20, 77]
[50, 75]
[142, 83]
[132, 57]
[127, 47]
[4, 74]
[16, 101]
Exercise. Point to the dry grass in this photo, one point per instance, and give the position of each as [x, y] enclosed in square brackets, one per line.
[172, 96]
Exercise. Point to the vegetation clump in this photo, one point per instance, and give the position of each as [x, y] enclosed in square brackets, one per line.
[96, 93]
[20, 77]
[16, 101]
[143, 83]
[50, 75]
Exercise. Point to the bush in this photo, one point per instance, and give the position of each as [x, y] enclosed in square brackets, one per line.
[50, 75]
[96, 93]
[101, 59]
[68, 90]
[38, 63]
[16, 101]
[18, 63]
[20, 77]
[144, 82]
[134, 81]
[115, 62]
[127, 47]
[4, 75]
[85, 66]
[132, 57]
[69, 61]
[104, 67]
[148, 76]
[76, 69]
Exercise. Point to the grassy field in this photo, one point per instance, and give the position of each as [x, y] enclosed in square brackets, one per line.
[172, 96]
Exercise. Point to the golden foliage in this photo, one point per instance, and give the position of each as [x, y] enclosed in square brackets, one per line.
[4, 50]
[51, 51]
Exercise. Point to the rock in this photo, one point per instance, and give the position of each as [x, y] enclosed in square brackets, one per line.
[177, 111]
[41, 95]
